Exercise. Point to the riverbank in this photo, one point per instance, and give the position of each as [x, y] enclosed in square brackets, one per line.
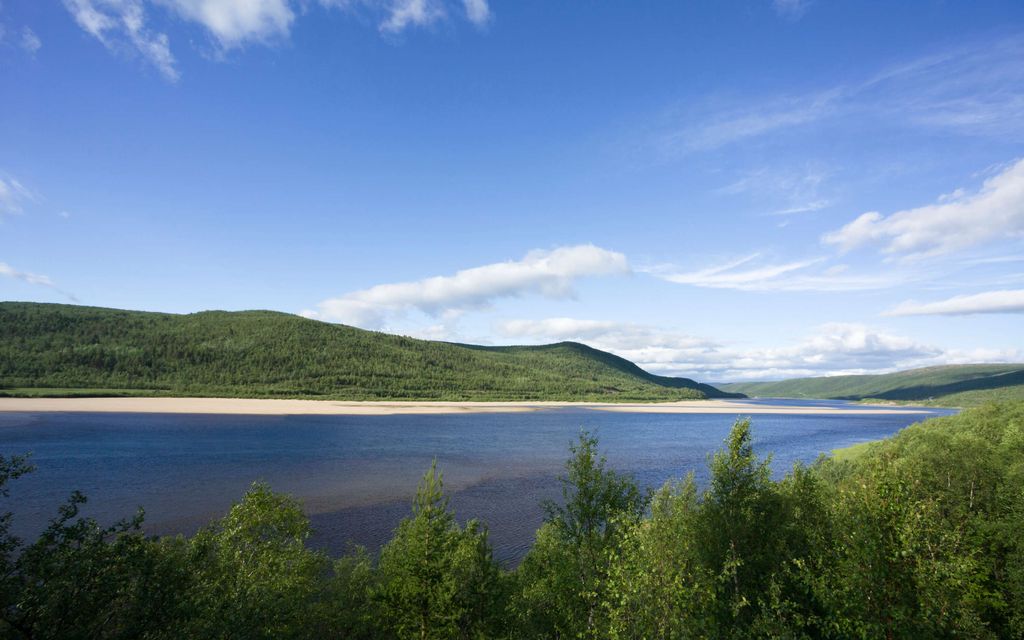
[249, 406]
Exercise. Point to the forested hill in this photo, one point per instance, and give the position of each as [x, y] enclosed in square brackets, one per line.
[953, 385]
[52, 349]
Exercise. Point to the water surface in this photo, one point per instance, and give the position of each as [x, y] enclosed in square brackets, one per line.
[356, 474]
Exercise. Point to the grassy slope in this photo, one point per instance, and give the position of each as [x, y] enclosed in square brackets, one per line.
[71, 350]
[953, 385]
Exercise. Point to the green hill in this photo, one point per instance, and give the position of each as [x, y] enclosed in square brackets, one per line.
[952, 385]
[51, 349]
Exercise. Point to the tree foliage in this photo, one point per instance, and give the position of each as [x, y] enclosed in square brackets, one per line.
[53, 349]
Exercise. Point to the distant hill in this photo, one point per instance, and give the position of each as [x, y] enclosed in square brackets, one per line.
[952, 385]
[52, 349]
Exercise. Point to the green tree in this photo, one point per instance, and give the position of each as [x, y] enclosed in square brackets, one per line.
[255, 578]
[736, 530]
[564, 577]
[80, 580]
[438, 580]
[657, 586]
[349, 607]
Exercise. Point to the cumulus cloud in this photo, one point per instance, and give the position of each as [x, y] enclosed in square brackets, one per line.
[13, 196]
[121, 26]
[8, 271]
[958, 220]
[549, 273]
[831, 349]
[1007, 301]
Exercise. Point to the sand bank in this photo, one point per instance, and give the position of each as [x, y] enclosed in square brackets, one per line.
[249, 406]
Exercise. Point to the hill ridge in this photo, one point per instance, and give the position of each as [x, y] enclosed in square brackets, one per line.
[76, 349]
[964, 384]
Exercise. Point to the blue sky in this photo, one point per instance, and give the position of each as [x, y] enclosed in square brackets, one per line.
[723, 190]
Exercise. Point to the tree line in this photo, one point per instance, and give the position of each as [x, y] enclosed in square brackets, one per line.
[917, 536]
[71, 350]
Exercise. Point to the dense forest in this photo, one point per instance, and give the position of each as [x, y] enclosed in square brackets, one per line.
[961, 385]
[54, 350]
[917, 536]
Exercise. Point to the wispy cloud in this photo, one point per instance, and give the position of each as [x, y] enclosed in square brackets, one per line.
[731, 126]
[808, 207]
[406, 13]
[976, 89]
[956, 221]
[13, 196]
[753, 273]
[789, 191]
[548, 273]
[8, 271]
[29, 41]
[477, 12]
[1007, 301]
[123, 25]
[791, 9]
[729, 276]
[234, 23]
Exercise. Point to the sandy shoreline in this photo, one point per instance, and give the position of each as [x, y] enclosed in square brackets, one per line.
[248, 406]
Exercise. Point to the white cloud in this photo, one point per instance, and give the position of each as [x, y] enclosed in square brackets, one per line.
[957, 221]
[477, 12]
[728, 276]
[654, 349]
[831, 349]
[405, 13]
[31, 278]
[729, 126]
[976, 89]
[1009, 301]
[549, 273]
[782, 191]
[612, 335]
[30, 42]
[235, 22]
[121, 25]
[806, 207]
[13, 196]
[792, 9]
[751, 273]
[8, 271]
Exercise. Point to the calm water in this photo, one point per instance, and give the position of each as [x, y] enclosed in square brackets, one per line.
[356, 474]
